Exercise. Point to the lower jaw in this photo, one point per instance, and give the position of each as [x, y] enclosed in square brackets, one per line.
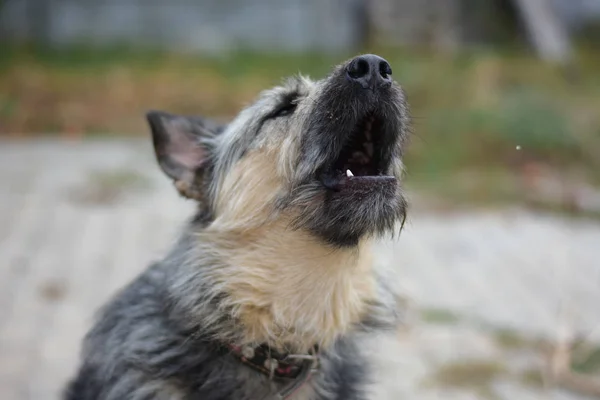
[361, 184]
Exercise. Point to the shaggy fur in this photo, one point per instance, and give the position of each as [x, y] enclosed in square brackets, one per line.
[272, 256]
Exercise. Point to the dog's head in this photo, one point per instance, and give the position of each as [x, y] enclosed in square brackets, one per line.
[324, 155]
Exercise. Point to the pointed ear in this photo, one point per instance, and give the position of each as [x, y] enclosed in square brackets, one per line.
[183, 150]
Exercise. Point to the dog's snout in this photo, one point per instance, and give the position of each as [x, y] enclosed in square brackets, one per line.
[370, 71]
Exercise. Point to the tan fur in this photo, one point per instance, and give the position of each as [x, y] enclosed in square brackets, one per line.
[185, 186]
[290, 289]
[287, 287]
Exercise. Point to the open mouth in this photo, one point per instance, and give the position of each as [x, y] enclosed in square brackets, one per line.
[360, 159]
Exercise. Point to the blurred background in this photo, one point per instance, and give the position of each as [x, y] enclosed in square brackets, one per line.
[499, 261]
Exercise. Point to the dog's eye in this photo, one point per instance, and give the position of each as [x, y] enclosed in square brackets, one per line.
[285, 110]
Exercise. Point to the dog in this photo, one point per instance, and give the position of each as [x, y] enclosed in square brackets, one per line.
[271, 289]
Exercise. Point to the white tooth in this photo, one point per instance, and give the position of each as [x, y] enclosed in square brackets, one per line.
[349, 173]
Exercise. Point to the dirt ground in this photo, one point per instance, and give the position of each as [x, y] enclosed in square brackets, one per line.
[489, 293]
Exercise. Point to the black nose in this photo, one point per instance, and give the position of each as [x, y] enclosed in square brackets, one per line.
[370, 71]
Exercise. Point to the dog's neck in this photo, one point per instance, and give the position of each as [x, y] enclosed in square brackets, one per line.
[280, 286]
[286, 288]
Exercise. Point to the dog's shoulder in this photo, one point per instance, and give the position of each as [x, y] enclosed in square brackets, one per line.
[138, 345]
[136, 303]
[132, 320]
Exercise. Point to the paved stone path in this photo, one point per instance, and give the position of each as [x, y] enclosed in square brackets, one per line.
[78, 220]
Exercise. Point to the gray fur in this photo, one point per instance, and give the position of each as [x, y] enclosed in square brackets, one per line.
[160, 337]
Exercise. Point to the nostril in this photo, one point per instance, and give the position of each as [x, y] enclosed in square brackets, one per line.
[358, 68]
[369, 71]
[385, 69]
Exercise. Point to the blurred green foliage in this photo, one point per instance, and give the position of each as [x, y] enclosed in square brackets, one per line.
[481, 118]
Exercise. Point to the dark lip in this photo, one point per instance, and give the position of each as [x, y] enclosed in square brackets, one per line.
[360, 152]
[360, 184]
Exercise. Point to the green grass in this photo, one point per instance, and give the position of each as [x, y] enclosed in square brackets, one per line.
[440, 316]
[586, 359]
[511, 340]
[104, 187]
[532, 378]
[477, 376]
